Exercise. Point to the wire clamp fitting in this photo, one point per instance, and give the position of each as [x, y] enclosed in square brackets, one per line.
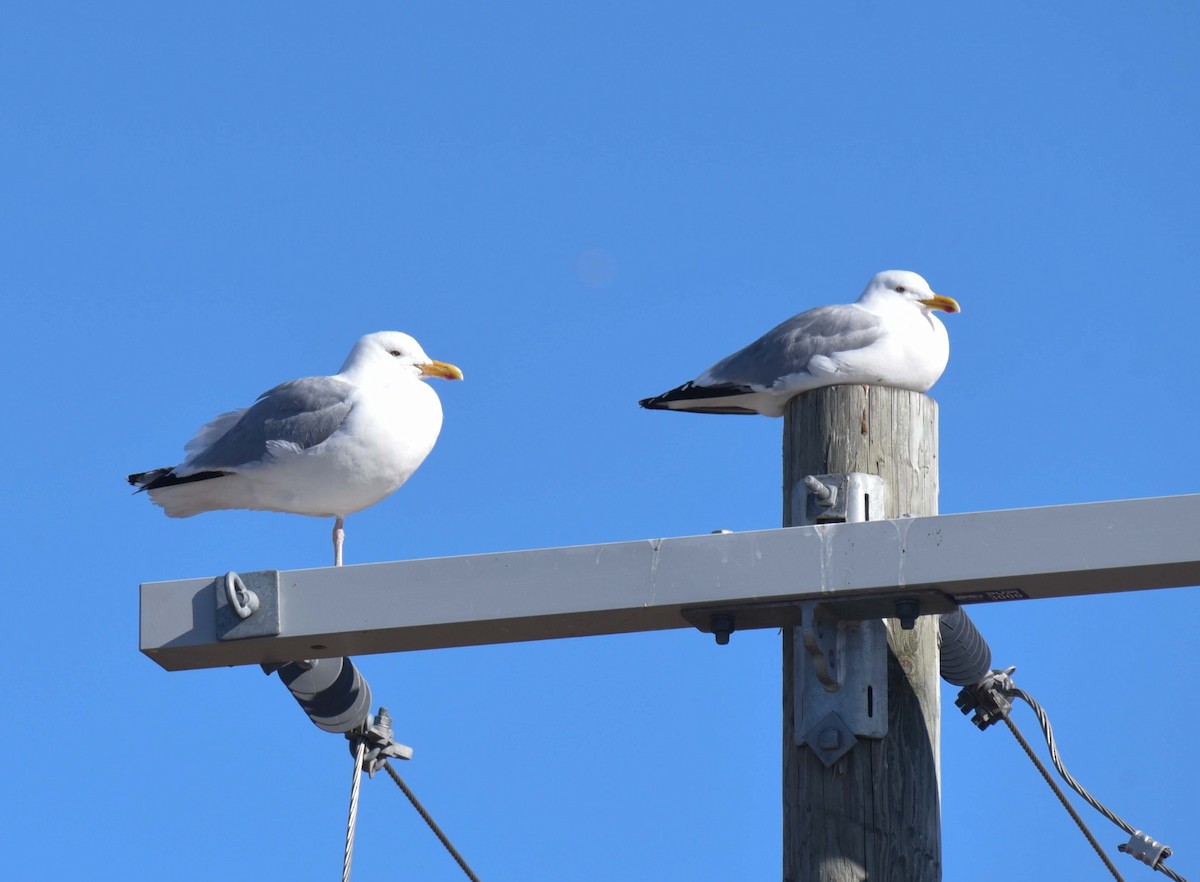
[988, 700]
[1145, 849]
[381, 746]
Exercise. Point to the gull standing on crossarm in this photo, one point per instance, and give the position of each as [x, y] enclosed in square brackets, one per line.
[888, 337]
[319, 446]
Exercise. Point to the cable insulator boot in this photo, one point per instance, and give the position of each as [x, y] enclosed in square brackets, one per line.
[966, 657]
[331, 691]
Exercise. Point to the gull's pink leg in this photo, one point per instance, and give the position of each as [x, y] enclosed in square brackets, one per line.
[339, 537]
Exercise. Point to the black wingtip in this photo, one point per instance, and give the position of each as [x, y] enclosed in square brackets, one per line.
[156, 478]
[725, 411]
[689, 391]
[143, 480]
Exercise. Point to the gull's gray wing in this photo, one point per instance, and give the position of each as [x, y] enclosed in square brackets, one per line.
[789, 347]
[212, 430]
[298, 414]
[786, 350]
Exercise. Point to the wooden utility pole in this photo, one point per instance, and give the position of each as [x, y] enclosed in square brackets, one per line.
[875, 813]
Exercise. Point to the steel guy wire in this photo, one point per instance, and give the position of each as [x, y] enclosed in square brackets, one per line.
[437, 831]
[350, 822]
[1062, 797]
[1048, 733]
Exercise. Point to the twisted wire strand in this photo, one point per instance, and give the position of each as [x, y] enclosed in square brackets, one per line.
[437, 831]
[353, 819]
[1048, 733]
[1062, 797]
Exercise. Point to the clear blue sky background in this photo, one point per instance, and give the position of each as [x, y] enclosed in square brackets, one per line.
[580, 204]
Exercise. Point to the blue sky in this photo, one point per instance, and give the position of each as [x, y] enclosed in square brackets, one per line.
[579, 204]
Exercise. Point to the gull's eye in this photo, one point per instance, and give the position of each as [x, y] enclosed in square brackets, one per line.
[900, 289]
[395, 352]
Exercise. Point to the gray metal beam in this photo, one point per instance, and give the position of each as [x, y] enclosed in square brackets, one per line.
[648, 585]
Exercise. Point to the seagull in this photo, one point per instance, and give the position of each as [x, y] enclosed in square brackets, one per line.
[888, 337]
[319, 446]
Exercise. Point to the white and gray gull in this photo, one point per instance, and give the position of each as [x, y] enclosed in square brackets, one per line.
[888, 337]
[319, 446]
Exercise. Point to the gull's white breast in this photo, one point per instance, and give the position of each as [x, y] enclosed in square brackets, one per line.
[384, 439]
[911, 354]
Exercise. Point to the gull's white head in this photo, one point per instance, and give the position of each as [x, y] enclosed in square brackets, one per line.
[392, 351]
[906, 286]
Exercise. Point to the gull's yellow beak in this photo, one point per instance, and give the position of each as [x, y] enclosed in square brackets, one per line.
[443, 370]
[945, 304]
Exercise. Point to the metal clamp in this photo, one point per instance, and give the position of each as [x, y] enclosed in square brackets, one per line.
[988, 700]
[831, 499]
[380, 745]
[1145, 849]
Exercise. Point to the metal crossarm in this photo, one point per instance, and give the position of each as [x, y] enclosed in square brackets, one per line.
[650, 585]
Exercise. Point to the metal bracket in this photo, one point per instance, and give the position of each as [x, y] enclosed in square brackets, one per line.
[722, 621]
[852, 497]
[840, 681]
[835, 499]
[840, 663]
[247, 605]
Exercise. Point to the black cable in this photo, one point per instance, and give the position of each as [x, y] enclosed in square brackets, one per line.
[437, 831]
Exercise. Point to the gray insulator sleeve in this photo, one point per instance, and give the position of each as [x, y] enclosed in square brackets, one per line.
[966, 657]
[331, 691]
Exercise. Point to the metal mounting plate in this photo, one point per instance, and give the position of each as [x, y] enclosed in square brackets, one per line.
[788, 614]
[840, 678]
[839, 657]
[263, 622]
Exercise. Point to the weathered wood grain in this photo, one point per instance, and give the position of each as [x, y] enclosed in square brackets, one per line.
[875, 815]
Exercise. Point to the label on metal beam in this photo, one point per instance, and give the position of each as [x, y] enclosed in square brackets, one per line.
[991, 596]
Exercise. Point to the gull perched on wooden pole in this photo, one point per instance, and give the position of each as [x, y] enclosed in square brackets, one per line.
[888, 337]
[319, 446]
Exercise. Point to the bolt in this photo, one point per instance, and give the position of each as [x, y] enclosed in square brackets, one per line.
[822, 493]
[907, 612]
[722, 626]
